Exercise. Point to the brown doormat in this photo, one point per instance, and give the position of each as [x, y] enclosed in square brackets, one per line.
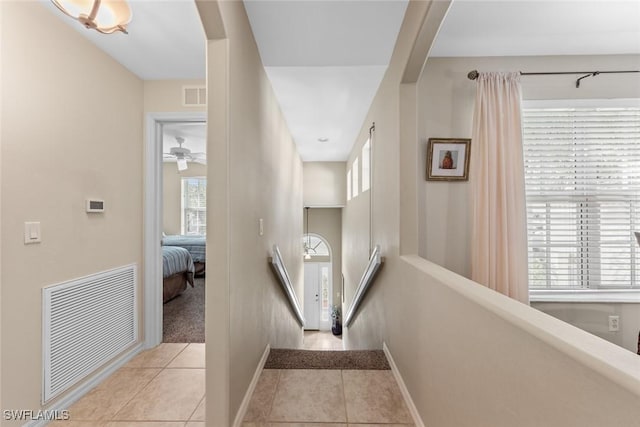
[309, 359]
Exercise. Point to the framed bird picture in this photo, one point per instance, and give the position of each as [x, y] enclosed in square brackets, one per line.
[448, 159]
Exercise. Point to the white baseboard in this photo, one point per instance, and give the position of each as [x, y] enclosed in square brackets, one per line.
[403, 388]
[242, 411]
[72, 397]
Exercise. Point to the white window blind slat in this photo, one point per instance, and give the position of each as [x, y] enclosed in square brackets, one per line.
[582, 176]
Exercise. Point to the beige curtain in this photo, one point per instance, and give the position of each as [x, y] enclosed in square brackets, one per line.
[499, 237]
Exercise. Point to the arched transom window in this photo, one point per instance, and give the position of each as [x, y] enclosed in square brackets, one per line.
[315, 245]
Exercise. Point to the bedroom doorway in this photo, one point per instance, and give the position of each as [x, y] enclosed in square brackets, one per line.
[176, 129]
[184, 225]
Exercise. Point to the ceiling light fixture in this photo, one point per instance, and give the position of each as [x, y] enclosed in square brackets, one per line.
[182, 164]
[323, 139]
[104, 16]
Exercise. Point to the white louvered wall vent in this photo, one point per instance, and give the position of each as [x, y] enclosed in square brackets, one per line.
[194, 96]
[87, 322]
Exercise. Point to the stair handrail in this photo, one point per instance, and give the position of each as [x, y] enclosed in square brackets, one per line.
[281, 271]
[375, 262]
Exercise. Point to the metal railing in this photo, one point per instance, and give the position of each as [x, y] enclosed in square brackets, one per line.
[375, 262]
[278, 267]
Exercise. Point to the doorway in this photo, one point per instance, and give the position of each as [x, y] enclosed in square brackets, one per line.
[317, 296]
[184, 230]
[318, 283]
[153, 224]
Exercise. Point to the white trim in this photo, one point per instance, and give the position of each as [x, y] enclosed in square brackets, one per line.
[403, 388]
[153, 221]
[586, 296]
[75, 395]
[242, 411]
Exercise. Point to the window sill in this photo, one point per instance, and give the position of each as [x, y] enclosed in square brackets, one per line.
[586, 296]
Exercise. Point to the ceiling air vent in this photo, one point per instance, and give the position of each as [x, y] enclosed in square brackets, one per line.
[194, 96]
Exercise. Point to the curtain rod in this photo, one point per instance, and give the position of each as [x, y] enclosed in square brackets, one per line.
[473, 75]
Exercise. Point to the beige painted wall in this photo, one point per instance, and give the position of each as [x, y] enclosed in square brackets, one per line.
[327, 222]
[172, 193]
[58, 148]
[325, 184]
[166, 95]
[446, 103]
[461, 348]
[256, 173]
[474, 357]
[594, 318]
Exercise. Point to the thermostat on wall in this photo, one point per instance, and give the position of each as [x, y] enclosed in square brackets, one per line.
[94, 205]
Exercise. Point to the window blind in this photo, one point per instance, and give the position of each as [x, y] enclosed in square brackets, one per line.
[194, 206]
[582, 177]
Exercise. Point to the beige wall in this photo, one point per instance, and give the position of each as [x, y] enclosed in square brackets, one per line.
[594, 318]
[256, 173]
[446, 100]
[474, 357]
[327, 222]
[69, 112]
[172, 193]
[166, 95]
[325, 184]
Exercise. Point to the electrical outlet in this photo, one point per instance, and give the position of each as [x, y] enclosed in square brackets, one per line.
[614, 323]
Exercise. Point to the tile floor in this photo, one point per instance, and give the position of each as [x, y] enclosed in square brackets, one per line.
[319, 340]
[165, 387]
[318, 397]
[162, 387]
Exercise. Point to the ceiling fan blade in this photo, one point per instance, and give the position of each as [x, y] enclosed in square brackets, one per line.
[201, 161]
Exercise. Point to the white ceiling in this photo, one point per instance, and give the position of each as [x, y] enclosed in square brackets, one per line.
[542, 27]
[165, 41]
[326, 58]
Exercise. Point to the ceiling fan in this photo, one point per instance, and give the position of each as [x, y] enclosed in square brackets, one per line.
[184, 155]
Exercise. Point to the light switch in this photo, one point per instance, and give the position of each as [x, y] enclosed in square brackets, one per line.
[32, 233]
[261, 227]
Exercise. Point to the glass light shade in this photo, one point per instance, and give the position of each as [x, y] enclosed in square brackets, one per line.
[182, 164]
[105, 16]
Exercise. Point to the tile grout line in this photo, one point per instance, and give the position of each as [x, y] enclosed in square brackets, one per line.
[344, 396]
[197, 406]
[273, 398]
[111, 418]
[161, 369]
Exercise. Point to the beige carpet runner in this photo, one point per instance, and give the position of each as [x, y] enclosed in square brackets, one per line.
[309, 359]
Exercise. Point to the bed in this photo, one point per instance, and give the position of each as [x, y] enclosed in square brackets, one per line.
[196, 245]
[177, 271]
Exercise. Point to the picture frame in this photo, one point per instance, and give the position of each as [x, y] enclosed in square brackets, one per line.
[448, 159]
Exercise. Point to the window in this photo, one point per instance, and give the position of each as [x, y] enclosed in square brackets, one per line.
[315, 245]
[349, 185]
[194, 206]
[582, 177]
[366, 165]
[356, 186]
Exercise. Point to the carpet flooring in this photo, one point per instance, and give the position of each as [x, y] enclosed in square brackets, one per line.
[183, 316]
[310, 359]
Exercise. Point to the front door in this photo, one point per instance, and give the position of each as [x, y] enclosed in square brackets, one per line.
[317, 295]
[311, 296]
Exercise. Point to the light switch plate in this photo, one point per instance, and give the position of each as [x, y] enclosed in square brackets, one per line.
[32, 233]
